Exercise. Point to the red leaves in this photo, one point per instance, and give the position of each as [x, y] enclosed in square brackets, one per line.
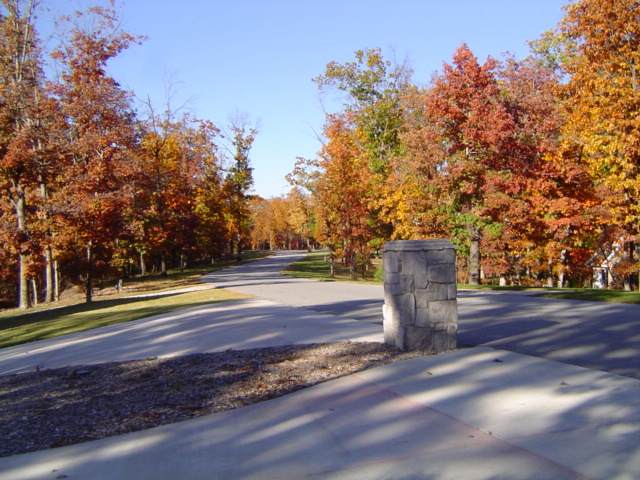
[479, 145]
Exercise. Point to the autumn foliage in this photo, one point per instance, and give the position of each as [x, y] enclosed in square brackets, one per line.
[530, 166]
[89, 191]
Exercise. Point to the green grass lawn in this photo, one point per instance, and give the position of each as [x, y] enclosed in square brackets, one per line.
[311, 266]
[109, 308]
[593, 295]
[506, 288]
[315, 266]
[55, 322]
[585, 294]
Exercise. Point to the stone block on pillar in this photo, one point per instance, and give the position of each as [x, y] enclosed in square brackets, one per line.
[420, 310]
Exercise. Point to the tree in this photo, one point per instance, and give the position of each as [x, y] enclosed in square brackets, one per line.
[179, 170]
[513, 199]
[101, 136]
[239, 180]
[21, 92]
[481, 165]
[270, 223]
[87, 187]
[341, 193]
[282, 222]
[260, 223]
[301, 218]
[212, 233]
[373, 87]
[602, 99]
[461, 142]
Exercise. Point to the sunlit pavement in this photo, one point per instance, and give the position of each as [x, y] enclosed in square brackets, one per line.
[475, 413]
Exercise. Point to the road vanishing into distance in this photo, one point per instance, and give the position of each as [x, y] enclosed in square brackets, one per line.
[595, 335]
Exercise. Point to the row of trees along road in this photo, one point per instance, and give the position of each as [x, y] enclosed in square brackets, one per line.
[530, 166]
[89, 189]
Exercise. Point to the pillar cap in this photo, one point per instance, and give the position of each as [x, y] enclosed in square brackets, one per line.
[417, 245]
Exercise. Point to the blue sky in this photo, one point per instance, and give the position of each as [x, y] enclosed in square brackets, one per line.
[259, 56]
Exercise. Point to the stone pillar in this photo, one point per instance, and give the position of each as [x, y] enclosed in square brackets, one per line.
[420, 309]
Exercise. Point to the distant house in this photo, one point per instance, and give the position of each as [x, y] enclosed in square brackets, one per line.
[602, 263]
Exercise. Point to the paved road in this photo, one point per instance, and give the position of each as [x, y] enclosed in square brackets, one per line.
[263, 279]
[595, 335]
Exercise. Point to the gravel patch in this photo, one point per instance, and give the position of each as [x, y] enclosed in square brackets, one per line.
[65, 406]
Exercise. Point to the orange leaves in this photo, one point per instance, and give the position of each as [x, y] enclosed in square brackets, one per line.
[603, 98]
[343, 190]
[465, 118]
[281, 222]
[179, 188]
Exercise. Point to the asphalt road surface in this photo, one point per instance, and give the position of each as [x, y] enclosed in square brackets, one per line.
[600, 336]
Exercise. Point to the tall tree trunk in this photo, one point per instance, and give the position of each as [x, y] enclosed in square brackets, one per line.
[143, 265]
[34, 290]
[48, 251]
[163, 265]
[23, 285]
[561, 279]
[474, 255]
[89, 282]
[353, 268]
[239, 248]
[564, 261]
[56, 281]
[628, 277]
[48, 274]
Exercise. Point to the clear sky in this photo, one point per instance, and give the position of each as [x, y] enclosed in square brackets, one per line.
[259, 56]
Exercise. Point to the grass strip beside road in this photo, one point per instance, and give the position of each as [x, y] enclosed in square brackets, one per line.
[594, 295]
[312, 266]
[142, 296]
[315, 266]
[584, 294]
[56, 322]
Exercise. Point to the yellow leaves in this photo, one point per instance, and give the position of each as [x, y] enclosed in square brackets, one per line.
[161, 150]
[604, 101]
[278, 220]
